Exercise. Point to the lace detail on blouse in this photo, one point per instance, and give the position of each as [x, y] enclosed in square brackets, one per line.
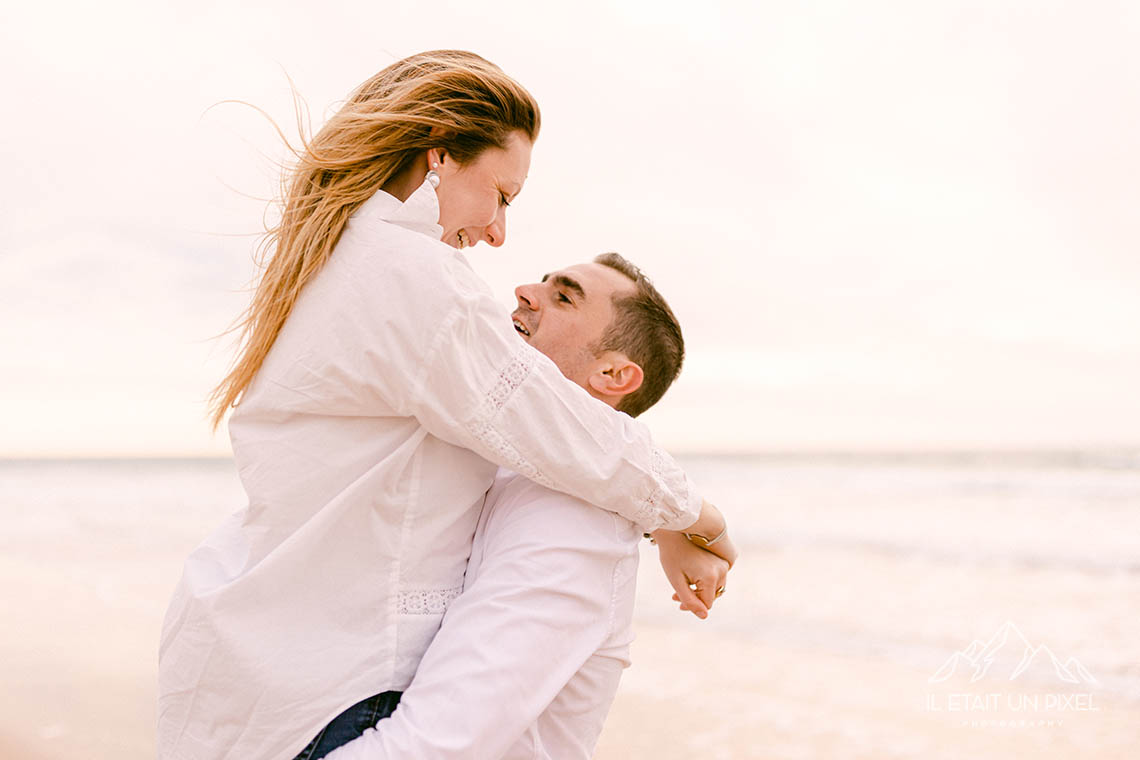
[510, 378]
[648, 508]
[426, 601]
[652, 511]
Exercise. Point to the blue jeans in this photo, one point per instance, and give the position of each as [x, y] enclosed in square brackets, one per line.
[350, 724]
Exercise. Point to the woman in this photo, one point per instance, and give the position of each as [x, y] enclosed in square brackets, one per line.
[378, 389]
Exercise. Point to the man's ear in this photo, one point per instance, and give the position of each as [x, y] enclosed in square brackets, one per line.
[616, 376]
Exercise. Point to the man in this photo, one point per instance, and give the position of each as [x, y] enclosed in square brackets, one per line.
[528, 658]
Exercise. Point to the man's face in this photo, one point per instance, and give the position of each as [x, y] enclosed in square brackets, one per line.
[565, 315]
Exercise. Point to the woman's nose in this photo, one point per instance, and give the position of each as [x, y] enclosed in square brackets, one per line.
[496, 232]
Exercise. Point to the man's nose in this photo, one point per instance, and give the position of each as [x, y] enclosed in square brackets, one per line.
[527, 297]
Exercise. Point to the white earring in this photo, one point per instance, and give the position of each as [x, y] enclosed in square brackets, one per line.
[433, 176]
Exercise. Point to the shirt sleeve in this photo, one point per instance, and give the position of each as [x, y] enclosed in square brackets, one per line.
[440, 348]
[542, 605]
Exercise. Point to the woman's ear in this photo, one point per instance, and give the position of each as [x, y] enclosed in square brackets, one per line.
[440, 161]
[616, 376]
[438, 155]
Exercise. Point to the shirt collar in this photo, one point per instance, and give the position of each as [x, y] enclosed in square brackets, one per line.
[419, 213]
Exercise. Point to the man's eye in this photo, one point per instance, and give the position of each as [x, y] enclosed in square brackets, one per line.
[503, 200]
[562, 297]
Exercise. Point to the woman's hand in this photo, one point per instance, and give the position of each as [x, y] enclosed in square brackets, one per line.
[710, 532]
[696, 574]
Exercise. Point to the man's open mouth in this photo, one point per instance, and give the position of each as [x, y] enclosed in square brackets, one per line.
[520, 327]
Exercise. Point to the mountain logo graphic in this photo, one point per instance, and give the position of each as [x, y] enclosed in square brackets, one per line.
[1012, 653]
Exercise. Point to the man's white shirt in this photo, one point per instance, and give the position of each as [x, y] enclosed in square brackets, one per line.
[528, 658]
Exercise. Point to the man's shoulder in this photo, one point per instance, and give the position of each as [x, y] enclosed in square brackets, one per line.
[515, 500]
[512, 492]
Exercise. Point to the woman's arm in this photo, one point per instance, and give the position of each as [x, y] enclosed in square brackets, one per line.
[426, 339]
[432, 343]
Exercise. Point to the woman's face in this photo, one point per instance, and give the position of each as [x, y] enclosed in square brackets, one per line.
[473, 197]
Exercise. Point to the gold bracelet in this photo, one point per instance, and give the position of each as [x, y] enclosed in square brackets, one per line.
[703, 542]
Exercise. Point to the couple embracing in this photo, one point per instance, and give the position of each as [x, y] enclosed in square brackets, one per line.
[439, 552]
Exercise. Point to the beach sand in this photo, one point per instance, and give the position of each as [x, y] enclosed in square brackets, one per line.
[823, 647]
[79, 682]
[759, 701]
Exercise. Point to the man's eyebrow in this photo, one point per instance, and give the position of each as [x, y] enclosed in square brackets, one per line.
[567, 282]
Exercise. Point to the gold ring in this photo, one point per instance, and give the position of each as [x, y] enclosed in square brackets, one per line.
[720, 591]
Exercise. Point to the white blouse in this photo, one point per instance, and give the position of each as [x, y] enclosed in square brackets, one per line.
[365, 444]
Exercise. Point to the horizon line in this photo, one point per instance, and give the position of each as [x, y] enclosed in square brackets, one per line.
[1131, 451]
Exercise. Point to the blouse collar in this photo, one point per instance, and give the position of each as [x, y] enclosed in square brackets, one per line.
[419, 213]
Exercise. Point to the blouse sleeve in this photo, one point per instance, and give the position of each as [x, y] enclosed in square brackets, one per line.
[438, 347]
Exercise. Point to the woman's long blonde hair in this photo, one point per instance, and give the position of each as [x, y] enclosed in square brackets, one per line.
[449, 99]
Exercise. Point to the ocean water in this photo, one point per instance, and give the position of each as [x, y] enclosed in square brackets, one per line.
[902, 558]
[909, 558]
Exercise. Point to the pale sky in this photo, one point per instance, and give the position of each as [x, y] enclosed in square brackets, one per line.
[882, 224]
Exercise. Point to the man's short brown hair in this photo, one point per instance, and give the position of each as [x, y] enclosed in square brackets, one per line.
[644, 329]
